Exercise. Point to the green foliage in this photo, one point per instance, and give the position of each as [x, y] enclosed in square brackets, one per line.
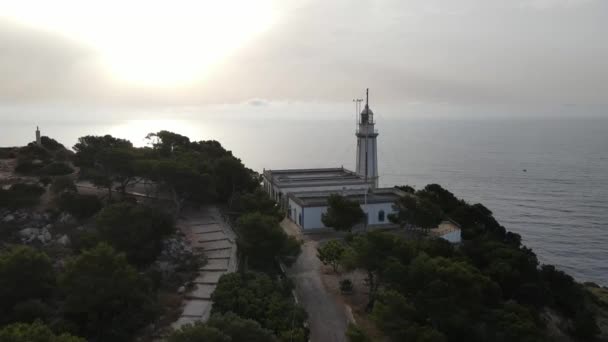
[488, 289]
[56, 169]
[346, 286]
[34, 152]
[134, 229]
[372, 252]
[355, 334]
[399, 319]
[257, 201]
[240, 329]
[231, 177]
[259, 297]
[342, 213]
[417, 211]
[63, 184]
[198, 332]
[35, 332]
[81, 206]
[168, 143]
[31, 310]
[25, 274]
[105, 296]
[262, 239]
[51, 144]
[21, 195]
[331, 253]
[90, 148]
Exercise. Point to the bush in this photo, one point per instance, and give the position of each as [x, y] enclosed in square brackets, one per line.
[31, 310]
[21, 195]
[135, 229]
[105, 296]
[56, 169]
[355, 334]
[35, 332]
[346, 286]
[28, 167]
[79, 205]
[257, 296]
[61, 184]
[25, 274]
[51, 144]
[228, 327]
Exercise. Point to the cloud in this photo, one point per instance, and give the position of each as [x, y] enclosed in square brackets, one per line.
[490, 53]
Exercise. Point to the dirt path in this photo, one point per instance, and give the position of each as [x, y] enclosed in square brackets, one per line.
[327, 315]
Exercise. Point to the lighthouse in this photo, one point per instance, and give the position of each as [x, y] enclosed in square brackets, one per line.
[38, 140]
[367, 148]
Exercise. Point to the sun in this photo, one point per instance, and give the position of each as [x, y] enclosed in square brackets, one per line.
[151, 43]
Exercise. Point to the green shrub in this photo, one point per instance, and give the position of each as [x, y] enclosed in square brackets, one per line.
[25, 274]
[31, 310]
[346, 286]
[51, 144]
[28, 167]
[63, 184]
[56, 169]
[79, 205]
[355, 334]
[21, 195]
[135, 229]
[35, 332]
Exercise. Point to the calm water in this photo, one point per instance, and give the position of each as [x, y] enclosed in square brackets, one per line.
[559, 206]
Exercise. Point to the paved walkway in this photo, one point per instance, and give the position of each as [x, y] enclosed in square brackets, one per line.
[327, 316]
[209, 233]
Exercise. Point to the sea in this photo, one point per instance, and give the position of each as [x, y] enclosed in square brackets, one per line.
[546, 179]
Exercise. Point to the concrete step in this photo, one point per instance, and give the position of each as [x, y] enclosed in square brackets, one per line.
[219, 254]
[212, 245]
[209, 277]
[216, 265]
[201, 291]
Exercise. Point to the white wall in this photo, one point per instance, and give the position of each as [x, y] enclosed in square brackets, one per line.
[453, 237]
[374, 209]
[294, 212]
[312, 215]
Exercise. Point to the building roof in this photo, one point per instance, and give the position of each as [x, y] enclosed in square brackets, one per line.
[297, 178]
[319, 198]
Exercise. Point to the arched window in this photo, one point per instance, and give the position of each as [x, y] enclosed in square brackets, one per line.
[381, 216]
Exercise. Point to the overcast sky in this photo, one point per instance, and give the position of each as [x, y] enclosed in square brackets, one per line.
[516, 55]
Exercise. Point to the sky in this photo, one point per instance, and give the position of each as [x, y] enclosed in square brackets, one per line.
[419, 57]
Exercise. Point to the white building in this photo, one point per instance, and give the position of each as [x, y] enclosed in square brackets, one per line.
[307, 208]
[303, 193]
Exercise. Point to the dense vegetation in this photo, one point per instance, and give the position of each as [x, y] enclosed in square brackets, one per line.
[256, 296]
[490, 288]
[107, 286]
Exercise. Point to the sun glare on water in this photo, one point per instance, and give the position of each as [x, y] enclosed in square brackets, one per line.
[151, 43]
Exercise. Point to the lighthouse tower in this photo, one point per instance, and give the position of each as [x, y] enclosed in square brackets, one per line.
[367, 151]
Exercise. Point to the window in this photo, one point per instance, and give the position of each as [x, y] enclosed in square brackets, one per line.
[381, 216]
[300, 219]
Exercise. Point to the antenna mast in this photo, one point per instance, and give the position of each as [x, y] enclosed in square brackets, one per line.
[357, 110]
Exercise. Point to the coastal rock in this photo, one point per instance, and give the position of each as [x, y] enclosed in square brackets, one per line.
[44, 236]
[66, 218]
[64, 240]
[8, 218]
[29, 234]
